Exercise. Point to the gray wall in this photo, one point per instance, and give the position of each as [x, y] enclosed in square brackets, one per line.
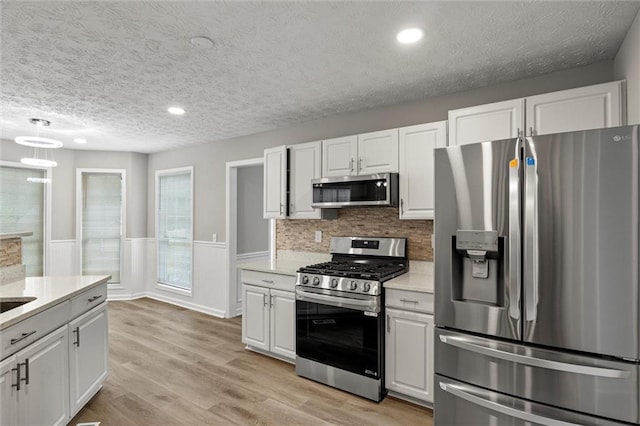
[253, 230]
[209, 159]
[64, 185]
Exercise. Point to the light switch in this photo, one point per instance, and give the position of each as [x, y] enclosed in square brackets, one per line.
[318, 236]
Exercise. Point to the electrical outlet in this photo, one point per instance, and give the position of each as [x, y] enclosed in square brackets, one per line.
[214, 238]
[318, 236]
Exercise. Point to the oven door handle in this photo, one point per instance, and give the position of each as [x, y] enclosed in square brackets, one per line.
[340, 302]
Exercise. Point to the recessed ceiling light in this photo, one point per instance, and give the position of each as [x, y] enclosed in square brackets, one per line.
[175, 110]
[410, 35]
[80, 140]
[201, 42]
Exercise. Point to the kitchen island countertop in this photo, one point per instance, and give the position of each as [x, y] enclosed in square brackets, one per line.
[419, 278]
[48, 291]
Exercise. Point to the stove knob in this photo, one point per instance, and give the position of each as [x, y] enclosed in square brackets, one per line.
[366, 287]
[305, 279]
[353, 285]
[316, 280]
[334, 283]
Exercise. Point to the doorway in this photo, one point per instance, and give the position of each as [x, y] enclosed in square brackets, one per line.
[249, 236]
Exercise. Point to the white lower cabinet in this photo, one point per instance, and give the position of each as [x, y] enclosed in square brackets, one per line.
[43, 397]
[88, 355]
[409, 365]
[8, 391]
[268, 313]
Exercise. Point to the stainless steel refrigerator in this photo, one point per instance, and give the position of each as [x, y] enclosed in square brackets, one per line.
[536, 280]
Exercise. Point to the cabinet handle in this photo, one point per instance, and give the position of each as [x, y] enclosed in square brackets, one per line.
[402, 205]
[264, 300]
[94, 298]
[267, 281]
[17, 385]
[22, 337]
[409, 301]
[281, 208]
[271, 301]
[360, 165]
[530, 131]
[77, 332]
[352, 161]
[519, 132]
[26, 369]
[388, 324]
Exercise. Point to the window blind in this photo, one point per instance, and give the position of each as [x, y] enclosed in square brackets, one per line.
[175, 229]
[22, 210]
[101, 224]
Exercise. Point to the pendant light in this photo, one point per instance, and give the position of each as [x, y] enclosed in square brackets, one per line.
[39, 158]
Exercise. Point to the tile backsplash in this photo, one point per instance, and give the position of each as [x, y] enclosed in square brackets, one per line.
[299, 235]
[10, 252]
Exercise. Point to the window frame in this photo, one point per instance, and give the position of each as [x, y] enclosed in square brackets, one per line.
[46, 233]
[115, 285]
[172, 172]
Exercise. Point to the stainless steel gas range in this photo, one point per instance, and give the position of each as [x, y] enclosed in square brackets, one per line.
[340, 314]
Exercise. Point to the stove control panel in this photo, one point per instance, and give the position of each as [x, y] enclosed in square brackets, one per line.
[360, 286]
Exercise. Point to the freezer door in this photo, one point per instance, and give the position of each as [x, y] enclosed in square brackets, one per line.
[591, 385]
[460, 404]
[477, 238]
[581, 241]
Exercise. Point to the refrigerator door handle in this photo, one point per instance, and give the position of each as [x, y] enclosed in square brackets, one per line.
[458, 391]
[531, 233]
[471, 344]
[514, 236]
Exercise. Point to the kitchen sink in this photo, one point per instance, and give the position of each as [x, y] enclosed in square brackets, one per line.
[9, 303]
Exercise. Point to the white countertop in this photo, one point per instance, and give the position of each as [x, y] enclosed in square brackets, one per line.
[48, 291]
[282, 267]
[15, 235]
[419, 278]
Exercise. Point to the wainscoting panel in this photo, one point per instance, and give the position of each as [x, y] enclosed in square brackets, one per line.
[63, 259]
[133, 284]
[209, 293]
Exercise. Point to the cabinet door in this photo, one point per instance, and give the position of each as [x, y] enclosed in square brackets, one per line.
[275, 182]
[416, 168]
[283, 330]
[378, 152]
[409, 354]
[339, 156]
[255, 316]
[8, 393]
[591, 107]
[500, 120]
[88, 355]
[304, 165]
[45, 365]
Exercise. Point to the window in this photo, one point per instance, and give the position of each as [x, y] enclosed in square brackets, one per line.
[100, 209]
[174, 227]
[22, 209]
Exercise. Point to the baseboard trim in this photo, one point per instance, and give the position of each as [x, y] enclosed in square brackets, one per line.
[123, 297]
[192, 306]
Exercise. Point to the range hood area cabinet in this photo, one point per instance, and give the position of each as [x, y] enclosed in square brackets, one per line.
[583, 108]
[288, 171]
[364, 154]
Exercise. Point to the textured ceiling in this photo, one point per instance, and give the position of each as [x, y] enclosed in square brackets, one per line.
[107, 71]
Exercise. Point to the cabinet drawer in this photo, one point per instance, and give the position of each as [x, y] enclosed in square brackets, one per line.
[409, 300]
[265, 279]
[28, 331]
[88, 299]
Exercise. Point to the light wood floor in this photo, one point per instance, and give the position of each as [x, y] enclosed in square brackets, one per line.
[173, 366]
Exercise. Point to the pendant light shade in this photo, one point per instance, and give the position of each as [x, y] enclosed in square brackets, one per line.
[39, 158]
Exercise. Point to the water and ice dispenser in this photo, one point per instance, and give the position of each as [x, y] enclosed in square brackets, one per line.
[478, 267]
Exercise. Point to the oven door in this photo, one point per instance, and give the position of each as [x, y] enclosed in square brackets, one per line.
[341, 332]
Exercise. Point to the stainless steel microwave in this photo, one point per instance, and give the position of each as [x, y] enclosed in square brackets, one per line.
[356, 191]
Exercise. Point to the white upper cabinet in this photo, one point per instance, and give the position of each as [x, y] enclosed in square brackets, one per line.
[416, 145]
[499, 120]
[339, 156]
[365, 154]
[275, 183]
[304, 165]
[378, 152]
[590, 107]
